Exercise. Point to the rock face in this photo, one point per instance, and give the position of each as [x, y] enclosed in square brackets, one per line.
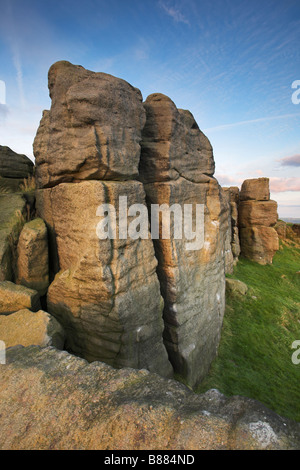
[257, 218]
[256, 189]
[12, 208]
[14, 165]
[33, 257]
[13, 298]
[105, 292]
[280, 228]
[92, 131]
[52, 400]
[28, 328]
[176, 168]
[232, 241]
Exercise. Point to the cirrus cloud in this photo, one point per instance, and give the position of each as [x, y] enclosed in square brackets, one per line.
[290, 161]
[280, 185]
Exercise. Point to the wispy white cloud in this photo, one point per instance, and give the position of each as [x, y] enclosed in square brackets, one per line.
[251, 121]
[174, 12]
[290, 161]
[279, 185]
[12, 38]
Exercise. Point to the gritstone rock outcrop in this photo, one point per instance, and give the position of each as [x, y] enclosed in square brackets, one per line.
[257, 218]
[107, 293]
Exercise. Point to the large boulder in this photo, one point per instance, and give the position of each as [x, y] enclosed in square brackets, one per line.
[28, 328]
[33, 257]
[105, 292]
[257, 219]
[176, 168]
[14, 298]
[14, 165]
[53, 400]
[93, 129]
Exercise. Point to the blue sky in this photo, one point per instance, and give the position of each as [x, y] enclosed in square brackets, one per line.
[230, 62]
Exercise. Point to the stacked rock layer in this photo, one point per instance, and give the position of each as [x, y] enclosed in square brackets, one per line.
[257, 218]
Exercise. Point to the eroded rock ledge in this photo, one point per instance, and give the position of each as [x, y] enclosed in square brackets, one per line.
[53, 400]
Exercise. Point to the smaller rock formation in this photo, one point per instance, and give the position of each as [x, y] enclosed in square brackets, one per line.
[232, 241]
[257, 218]
[14, 298]
[32, 262]
[234, 286]
[281, 229]
[31, 328]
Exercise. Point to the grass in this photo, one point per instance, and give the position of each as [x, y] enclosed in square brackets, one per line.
[28, 184]
[255, 351]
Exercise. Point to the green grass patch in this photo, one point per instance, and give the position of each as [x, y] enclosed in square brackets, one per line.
[255, 352]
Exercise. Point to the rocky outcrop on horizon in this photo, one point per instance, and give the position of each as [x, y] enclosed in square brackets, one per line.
[177, 167]
[257, 219]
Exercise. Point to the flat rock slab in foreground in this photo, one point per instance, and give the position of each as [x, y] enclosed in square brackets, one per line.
[53, 400]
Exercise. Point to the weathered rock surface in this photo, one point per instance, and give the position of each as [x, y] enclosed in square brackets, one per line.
[93, 129]
[105, 292]
[255, 189]
[28, 328]
[176, 168]
[52, 400]
[258, 213]
[33, 257]
[257, 218]
[173, 144]
[14, 165]
[281, 229]
[10, 185]
[12, 208]
[14, 298]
